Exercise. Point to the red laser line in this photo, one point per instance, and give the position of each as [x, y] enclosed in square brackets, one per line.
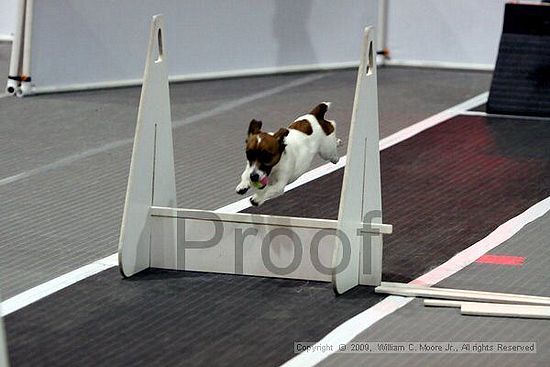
[501, 260]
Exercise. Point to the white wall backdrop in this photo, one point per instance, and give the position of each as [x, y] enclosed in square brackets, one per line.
[82, 43]
[444, 32]
[78, 44]
[7, 19]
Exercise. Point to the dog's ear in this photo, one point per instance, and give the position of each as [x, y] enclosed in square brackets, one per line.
[254, 127]
[280, 136]
[281, 133]
[320, 110]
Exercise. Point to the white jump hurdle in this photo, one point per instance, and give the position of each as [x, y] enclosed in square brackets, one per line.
[154, 233]
[3, 346]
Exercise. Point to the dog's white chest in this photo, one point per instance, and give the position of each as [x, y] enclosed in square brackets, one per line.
[299, 153]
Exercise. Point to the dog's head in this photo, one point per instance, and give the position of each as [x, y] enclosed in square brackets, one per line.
[263, 152]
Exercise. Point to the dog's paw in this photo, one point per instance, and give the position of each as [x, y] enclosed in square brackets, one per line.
[339, 142]
[242, 189]
[256, 201]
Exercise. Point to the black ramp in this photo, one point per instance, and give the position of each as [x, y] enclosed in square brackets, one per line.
[443, 189]
[521, 81]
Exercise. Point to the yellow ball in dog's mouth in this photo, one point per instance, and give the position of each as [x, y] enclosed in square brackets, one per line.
[260, 184]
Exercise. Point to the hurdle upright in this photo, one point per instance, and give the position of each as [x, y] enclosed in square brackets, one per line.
[155, 233]
[3, 346]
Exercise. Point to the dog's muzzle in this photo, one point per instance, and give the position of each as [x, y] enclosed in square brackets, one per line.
[258, 181]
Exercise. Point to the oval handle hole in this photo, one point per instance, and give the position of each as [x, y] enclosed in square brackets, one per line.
[370, 59]
[160, 50]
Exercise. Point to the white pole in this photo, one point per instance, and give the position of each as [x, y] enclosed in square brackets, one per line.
[382, 31]
[26, 72]
[15, 59]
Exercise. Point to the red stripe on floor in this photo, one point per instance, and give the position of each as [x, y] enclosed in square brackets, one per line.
[501, 260]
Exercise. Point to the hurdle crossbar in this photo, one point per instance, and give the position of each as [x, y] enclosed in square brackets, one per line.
[155, 233]
[260, 219]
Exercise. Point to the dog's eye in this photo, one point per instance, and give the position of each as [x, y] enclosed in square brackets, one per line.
[265, 157]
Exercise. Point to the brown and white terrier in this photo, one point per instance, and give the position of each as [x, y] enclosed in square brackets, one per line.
[277, 159]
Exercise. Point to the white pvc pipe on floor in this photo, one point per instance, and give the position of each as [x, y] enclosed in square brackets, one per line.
[15, 59]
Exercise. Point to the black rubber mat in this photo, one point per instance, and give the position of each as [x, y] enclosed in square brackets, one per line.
[521, 80]
[162, 318]
[444, 189]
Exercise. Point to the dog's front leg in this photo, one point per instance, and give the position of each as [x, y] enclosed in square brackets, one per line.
[244, 185]
[270, 192]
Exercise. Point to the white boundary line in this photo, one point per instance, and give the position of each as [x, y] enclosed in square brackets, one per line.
[351, 328]
[498, 115]
[36, 293]
[45, 289]
[503, 233]
[433, 120]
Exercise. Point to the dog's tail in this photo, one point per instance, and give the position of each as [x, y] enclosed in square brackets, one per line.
[320, 110]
